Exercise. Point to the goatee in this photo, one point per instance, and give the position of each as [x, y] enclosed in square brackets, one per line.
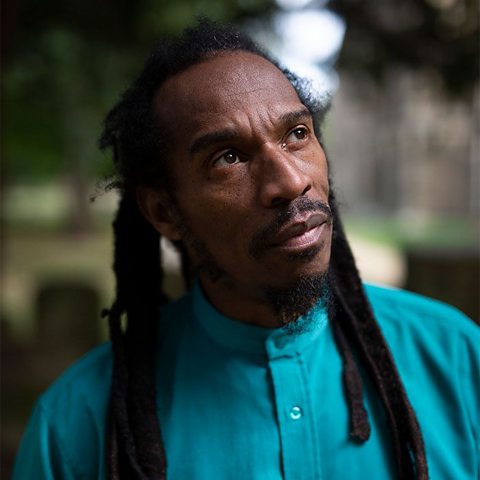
[297, 300]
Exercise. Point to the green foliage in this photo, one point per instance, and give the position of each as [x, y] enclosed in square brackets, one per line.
[66, 64]
[432, 232]
[439, 35]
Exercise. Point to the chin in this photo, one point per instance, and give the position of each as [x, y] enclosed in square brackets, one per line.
[298, 295]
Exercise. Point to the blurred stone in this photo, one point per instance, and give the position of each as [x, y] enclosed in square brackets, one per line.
[448, 274]
[67, 314]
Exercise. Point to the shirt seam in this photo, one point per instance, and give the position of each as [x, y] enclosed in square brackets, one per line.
[67, 459]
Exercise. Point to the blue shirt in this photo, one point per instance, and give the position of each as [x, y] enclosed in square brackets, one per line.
[240, 401]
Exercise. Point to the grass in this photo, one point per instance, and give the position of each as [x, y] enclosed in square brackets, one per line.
[434, 232]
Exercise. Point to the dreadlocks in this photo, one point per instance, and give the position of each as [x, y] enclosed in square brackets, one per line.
[135, 447]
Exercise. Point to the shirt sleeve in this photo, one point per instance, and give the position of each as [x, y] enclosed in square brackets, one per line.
[470, 371]
[40, 455]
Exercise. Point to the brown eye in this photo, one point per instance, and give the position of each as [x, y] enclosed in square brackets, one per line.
[229, 157]
[297, 135]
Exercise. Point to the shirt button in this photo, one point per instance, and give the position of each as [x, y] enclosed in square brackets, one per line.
[295, 413]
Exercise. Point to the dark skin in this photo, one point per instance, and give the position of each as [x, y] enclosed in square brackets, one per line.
[243, 159]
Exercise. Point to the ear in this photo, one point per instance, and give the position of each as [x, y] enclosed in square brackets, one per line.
[156, 207]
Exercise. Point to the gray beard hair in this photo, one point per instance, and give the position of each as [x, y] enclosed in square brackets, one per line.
[288, 304]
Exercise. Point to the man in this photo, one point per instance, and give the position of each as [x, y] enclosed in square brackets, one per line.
[219, 151]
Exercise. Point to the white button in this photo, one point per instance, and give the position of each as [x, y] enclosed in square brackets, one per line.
[295, 413]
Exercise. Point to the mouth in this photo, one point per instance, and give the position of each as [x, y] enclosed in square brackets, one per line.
[300, 230]
[302, 233]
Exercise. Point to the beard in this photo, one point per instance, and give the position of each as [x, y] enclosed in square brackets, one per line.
[287, 303]
[298, 299]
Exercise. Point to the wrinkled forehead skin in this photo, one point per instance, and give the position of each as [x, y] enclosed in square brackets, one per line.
[220, 86]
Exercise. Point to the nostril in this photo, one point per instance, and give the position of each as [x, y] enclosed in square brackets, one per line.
[278, 201]
[307, 188]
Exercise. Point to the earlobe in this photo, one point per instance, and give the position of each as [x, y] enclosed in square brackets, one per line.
[156, 207]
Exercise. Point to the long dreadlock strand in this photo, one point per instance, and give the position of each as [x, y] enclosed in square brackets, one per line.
[347, 318]
[359, 423]
[138, 274]
[356, 320]
[121, 444]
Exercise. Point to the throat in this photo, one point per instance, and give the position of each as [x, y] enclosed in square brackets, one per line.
[269, 307]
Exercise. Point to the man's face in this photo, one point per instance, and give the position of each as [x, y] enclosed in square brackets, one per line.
[249, 177]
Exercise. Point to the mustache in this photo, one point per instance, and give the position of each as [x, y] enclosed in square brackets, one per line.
[264, 237]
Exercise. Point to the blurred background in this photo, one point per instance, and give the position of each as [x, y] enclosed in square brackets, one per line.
[403, 140]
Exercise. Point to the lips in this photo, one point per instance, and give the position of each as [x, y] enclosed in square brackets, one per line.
[301, 232]
[295, 228]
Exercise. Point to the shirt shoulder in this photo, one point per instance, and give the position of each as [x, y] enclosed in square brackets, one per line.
[435, 348]
[393, 306]
[78, 402]
[434, 345]
[65, 436]
[85, 381]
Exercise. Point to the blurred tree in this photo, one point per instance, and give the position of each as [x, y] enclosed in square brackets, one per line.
[66, 62]
[439, 35]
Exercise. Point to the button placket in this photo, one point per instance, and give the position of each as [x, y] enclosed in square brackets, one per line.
[292, 415]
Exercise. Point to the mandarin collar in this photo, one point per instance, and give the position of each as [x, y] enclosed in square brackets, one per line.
[289, 340]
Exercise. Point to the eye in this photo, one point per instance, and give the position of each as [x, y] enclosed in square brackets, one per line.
[297, 135]
[230, 157]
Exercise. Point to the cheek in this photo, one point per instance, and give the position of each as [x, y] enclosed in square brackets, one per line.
[225, 199]
[217, 218]
[318, 168]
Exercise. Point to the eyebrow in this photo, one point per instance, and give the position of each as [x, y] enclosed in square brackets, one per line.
[295, 116]
[228, 134]
[211, 138]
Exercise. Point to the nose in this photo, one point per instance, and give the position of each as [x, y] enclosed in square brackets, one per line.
[283, 179]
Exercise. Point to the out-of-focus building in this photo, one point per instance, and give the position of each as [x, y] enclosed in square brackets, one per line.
[404, 146]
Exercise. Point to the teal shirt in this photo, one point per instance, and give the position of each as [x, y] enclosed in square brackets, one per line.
[236, 401]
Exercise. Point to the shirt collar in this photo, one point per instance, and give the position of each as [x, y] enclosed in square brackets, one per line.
[288, 340]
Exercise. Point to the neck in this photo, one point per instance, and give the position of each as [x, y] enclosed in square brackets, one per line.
[238, 304]
[269, 307]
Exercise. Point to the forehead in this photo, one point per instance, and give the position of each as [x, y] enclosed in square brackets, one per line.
[229, 83]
